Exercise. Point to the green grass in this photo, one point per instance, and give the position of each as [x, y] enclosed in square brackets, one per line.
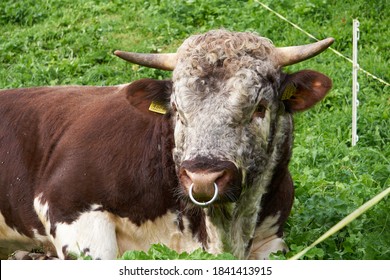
[162, 252]
[71, 42]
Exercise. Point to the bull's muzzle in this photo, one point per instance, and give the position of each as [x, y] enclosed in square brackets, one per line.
[207, 180]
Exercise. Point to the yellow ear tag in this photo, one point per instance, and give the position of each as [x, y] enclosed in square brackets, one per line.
[158, 107]
[289, 91]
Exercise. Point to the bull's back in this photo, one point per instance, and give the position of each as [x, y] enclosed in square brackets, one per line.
[32, 123]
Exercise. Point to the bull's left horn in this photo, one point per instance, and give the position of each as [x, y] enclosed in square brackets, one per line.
[291, 55]
[166, 61]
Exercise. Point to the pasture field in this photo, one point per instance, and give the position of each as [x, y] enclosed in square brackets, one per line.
[45, 42]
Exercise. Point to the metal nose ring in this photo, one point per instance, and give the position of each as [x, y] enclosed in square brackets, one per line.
[207, 202]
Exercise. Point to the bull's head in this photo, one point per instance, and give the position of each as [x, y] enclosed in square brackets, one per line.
[232, 108]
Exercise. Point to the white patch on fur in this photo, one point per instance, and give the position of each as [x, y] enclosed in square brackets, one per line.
[42, 211]
[7, 233]
[102, 235]
[270, 245]
[215, 244]
[264, 125]
[11, 240]
[44, 239]
[162, 230]
[268, 227]
[265, 240]
[93, 234]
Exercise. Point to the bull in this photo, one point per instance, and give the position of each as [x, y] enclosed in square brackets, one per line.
[198, 161]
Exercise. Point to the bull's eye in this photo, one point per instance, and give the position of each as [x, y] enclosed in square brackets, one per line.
[260, 111]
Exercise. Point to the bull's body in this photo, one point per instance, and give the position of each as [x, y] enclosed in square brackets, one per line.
[90, 170]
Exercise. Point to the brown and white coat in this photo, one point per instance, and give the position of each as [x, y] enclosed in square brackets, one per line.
[90, 170]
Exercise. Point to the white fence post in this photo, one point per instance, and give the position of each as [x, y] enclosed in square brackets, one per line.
[355, 84]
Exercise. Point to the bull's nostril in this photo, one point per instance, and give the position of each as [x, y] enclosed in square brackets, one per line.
[225, 178]
[184, 177]
[204, 179]
[221, 177]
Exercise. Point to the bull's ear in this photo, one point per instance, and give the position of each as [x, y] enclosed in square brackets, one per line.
[303, 89]
[149, 96]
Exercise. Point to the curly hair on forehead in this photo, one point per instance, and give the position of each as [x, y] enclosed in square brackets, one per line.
[206, 53]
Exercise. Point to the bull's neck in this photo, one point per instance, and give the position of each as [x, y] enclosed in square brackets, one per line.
[237, 221]
[163, 145]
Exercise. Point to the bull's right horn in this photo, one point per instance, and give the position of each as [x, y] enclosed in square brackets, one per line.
[166, 61]
[291, 55]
